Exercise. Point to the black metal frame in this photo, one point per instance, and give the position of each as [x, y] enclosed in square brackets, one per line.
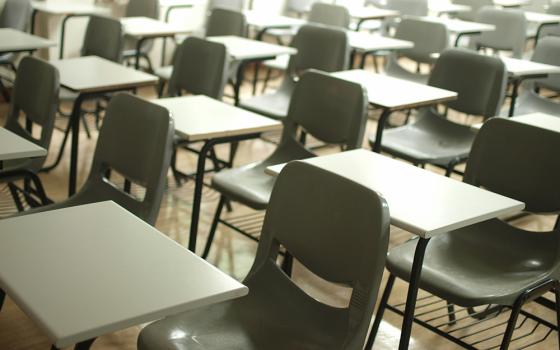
[199, 181]
[27, 191]
[62, 28]
[479, 317]
[170, 9]
[516, 83]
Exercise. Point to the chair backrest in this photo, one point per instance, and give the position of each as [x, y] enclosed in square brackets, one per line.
[409, 7]
[329, 15]
[475, 6]
[480, 81]
[319, 47]
[200, 68]
[519, 161]
[336, 228]
[548, 52]
[226, 22]
[142, 8]
[235, 5]
[330, 109]
[35, 95]
[16, 14]
[299, 6]
[510, 33]
[136, 141]
[428, 38]
[104, 38]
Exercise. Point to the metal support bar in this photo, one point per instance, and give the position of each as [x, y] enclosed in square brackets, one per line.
[199, 182]
[380, 127]
[415, 275]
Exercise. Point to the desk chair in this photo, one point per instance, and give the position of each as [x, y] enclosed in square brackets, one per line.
[221, 22]
[331, 109]
[429, 38]
[530, 101]
[553, 9]
[510, 33]
[299, 7]
[480, 82]
[103, 38]
[319, 47]
[141, 8]
[347, 248]
[15, 14]
[329, 15]
[201, 68]
[135, 141]
[493, 262]
[233, 5]
[411, 8]
[475, 6]
[37, 102]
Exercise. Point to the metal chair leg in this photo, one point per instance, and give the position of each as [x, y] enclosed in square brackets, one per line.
[451, 313]
[511, 325]
[214, 226]
[2, 298]
[15, 196]
[380, 311]
[557, 304]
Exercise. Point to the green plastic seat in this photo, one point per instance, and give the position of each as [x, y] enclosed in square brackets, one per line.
[277, 314]
[429, 38]
[480, 82]
[38, 103]
[493, 262]
[135, 141]
[141, 8]
[331, 109]
[529, 100]
[510, 33]
[319, 47]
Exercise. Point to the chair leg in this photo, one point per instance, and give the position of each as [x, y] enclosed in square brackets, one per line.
[214, 226]
[5, 93]
[2, 298]
[303, 137]
[232, 152]
[557, 304]
[511, 324]
[160, 88]
[61, 152]
[557, 225]
[86, 127]
[15, 196]
[380, 311]
[266, 80]
[149, 62]
[174, 170]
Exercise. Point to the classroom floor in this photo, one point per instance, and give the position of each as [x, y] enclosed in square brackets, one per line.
[234, 253]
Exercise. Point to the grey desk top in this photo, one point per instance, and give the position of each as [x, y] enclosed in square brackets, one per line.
[201, 118]
[90, 270]
[396, 94]
[67, 8]
[420, 201]
[94, 74]
[13, 146]
[246, 49]
[145, 27]
[12, 40]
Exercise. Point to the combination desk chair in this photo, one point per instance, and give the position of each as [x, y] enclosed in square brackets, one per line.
[493, 262]
[277, 314]
[323, 48]
[510, 33]
[553, 9]
[35, 104]
[220, 22]
[480, 82]
[530, 101]
[331, 109]
[104, 38]
[141, 8]
[136, 142]
[201, 68]
[15, 14]
[475, 5]
[335, 16]
[233, 5]
[429, 38]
